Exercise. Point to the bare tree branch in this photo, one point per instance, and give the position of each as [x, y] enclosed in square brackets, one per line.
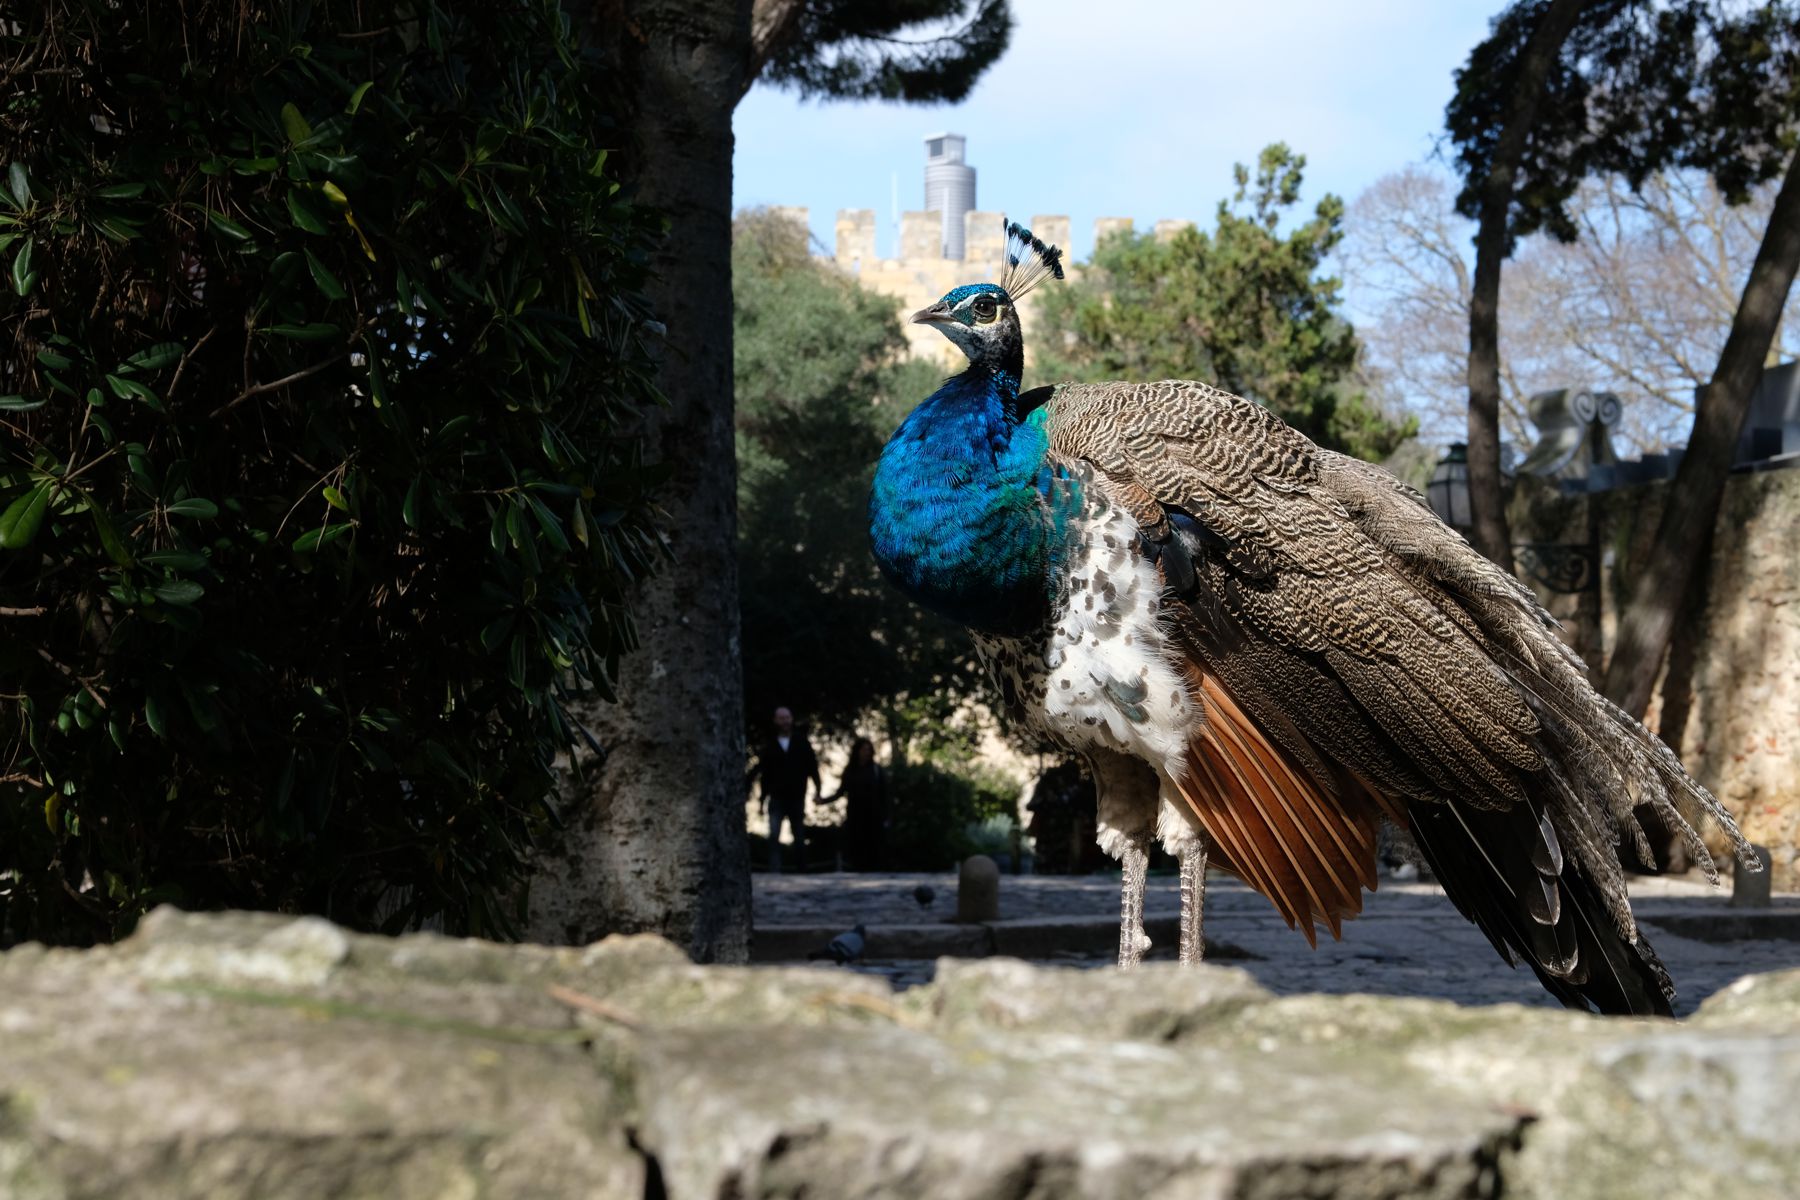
[1631, 306]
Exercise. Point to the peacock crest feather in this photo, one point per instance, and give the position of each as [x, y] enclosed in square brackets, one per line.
[1028, 261]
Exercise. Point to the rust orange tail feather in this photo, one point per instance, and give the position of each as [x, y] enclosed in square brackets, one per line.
[1274, 826]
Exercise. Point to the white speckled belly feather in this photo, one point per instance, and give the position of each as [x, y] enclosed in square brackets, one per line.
[1102, 677]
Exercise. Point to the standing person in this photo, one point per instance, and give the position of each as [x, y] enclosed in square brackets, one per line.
[864, 786]
[785, 762]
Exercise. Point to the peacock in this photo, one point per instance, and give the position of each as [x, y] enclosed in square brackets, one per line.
[1264, 649]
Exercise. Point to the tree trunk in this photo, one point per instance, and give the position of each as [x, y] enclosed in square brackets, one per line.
[656, 842]
[1687, 521]
[1492, 245]
[772, 24]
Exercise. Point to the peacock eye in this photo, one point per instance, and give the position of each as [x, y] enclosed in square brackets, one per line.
[984, 309]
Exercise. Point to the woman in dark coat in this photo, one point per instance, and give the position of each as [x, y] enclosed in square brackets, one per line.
[864, 786]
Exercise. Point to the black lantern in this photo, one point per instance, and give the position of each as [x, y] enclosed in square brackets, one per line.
[1448, 491]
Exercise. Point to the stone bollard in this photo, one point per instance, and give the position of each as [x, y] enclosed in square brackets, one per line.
[978, 890]
[1752, 889]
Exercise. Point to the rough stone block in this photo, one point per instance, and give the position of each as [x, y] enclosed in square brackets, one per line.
[1105, 227]
[855, 237]
[1165, 231]
[921, 236]
[900, 1112]
[1053, 230]
[984, 239]
[1155, 1003]
[978, 889]
[232, 1056]
[799, 214]
[1758, 1000]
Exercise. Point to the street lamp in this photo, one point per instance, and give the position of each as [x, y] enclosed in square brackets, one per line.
[1448, 490]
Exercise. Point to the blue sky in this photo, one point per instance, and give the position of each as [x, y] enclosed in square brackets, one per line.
[1134, 108]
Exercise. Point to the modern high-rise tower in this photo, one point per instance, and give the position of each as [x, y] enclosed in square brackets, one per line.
[949, 186]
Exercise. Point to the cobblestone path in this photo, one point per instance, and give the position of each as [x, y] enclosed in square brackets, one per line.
[1409, 941]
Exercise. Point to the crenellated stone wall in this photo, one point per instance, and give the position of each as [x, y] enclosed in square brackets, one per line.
[855, 237]
[921, 273]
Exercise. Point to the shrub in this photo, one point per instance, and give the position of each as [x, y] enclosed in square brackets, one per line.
[938, 813]
[322, 344]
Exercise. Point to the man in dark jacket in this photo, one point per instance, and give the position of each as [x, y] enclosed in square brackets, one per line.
[785, 762]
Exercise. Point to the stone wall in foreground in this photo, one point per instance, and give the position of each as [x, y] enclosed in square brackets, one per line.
[238, 1056]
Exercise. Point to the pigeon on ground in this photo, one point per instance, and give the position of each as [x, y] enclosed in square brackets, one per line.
[846, 947]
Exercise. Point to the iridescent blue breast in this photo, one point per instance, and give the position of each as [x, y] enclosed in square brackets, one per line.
[970, 516]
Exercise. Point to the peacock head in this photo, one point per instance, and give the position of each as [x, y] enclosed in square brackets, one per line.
[978, 317]
[983, 318]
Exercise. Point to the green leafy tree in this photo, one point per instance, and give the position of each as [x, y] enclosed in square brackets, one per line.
[940, 805]
[822, 380]
[323, 337]
[1245, 307]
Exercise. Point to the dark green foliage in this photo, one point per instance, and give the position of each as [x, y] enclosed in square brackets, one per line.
[1640, 86]
[938, 808]
[321, 340]
[1243, 307]
[862, 51]
[821, 383]
[940, 792]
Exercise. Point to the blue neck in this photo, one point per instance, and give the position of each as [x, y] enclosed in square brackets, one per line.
[967, 516]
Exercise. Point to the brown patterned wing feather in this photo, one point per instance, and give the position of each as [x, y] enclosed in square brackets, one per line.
[1293, 581]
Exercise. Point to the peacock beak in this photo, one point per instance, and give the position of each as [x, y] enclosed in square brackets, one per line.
[937, 314]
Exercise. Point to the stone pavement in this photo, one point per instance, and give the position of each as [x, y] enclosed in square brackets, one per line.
[1409, 941]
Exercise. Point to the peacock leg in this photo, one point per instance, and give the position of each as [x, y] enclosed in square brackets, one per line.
[1126, 790]
[1193, 900]
[1133, 941]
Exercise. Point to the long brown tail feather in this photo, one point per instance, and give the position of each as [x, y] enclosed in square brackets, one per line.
[1223, 822]
[1278, 828]
[1237, 846]
[1279, 783]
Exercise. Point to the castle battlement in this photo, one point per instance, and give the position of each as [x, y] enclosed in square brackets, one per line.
[922, 272]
